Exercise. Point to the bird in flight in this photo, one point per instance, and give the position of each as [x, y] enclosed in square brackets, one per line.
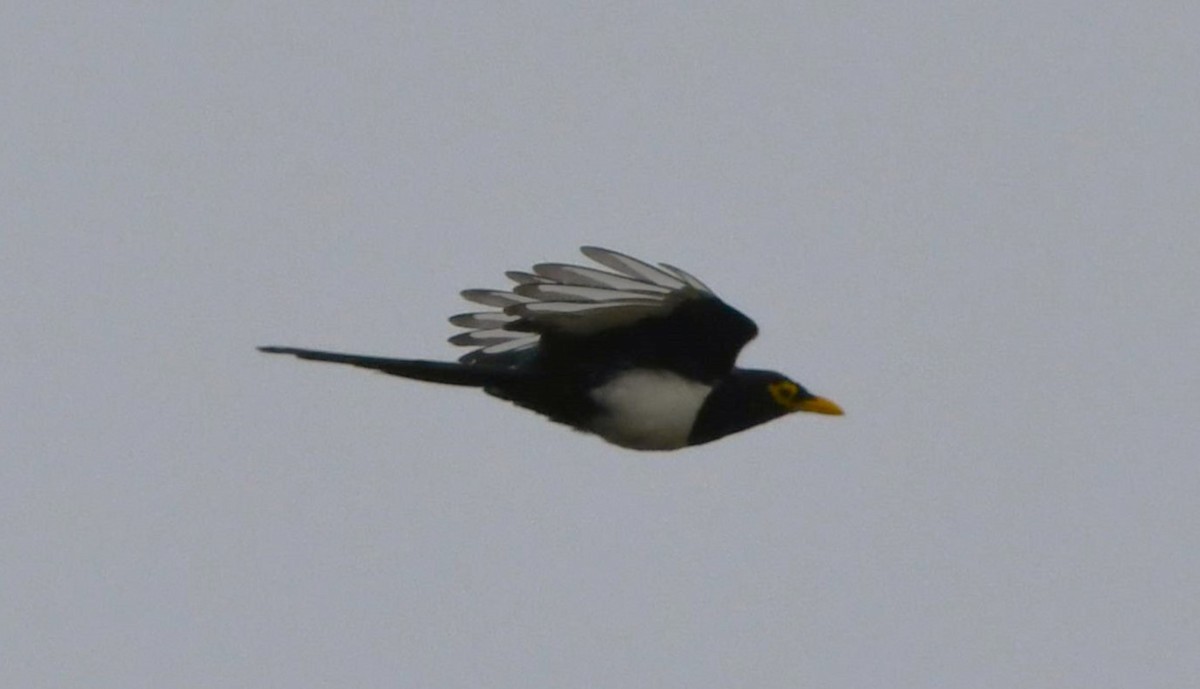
[641, 355]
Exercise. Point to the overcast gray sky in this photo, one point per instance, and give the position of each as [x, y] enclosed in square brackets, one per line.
[974, 225]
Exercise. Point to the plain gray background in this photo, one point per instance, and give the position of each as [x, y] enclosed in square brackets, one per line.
[974, 225]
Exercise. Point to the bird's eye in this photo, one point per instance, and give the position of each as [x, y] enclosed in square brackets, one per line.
[783, 392]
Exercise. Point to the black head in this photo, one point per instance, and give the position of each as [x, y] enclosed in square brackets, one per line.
[747, 398]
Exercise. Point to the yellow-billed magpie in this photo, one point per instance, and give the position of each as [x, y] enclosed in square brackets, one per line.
[641, 355]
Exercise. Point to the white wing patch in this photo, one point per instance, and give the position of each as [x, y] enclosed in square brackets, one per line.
[559, 297]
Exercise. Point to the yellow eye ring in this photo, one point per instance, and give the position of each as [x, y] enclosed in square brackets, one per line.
[784, 393]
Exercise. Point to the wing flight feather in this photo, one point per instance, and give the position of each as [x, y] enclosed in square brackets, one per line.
[564, 300]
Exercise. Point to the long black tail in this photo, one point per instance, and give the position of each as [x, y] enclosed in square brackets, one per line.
[447, 372]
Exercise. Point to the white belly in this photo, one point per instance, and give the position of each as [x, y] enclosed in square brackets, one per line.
[647, 409]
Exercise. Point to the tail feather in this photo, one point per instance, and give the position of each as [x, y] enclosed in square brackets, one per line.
[446, 372]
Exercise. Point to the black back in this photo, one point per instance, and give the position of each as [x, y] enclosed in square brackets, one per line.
[699, 339]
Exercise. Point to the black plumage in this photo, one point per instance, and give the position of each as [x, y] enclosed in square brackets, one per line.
[641, 355]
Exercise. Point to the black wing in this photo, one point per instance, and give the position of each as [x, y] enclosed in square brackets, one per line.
[569, 317]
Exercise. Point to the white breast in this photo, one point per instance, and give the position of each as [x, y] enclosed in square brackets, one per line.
[647, 409]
